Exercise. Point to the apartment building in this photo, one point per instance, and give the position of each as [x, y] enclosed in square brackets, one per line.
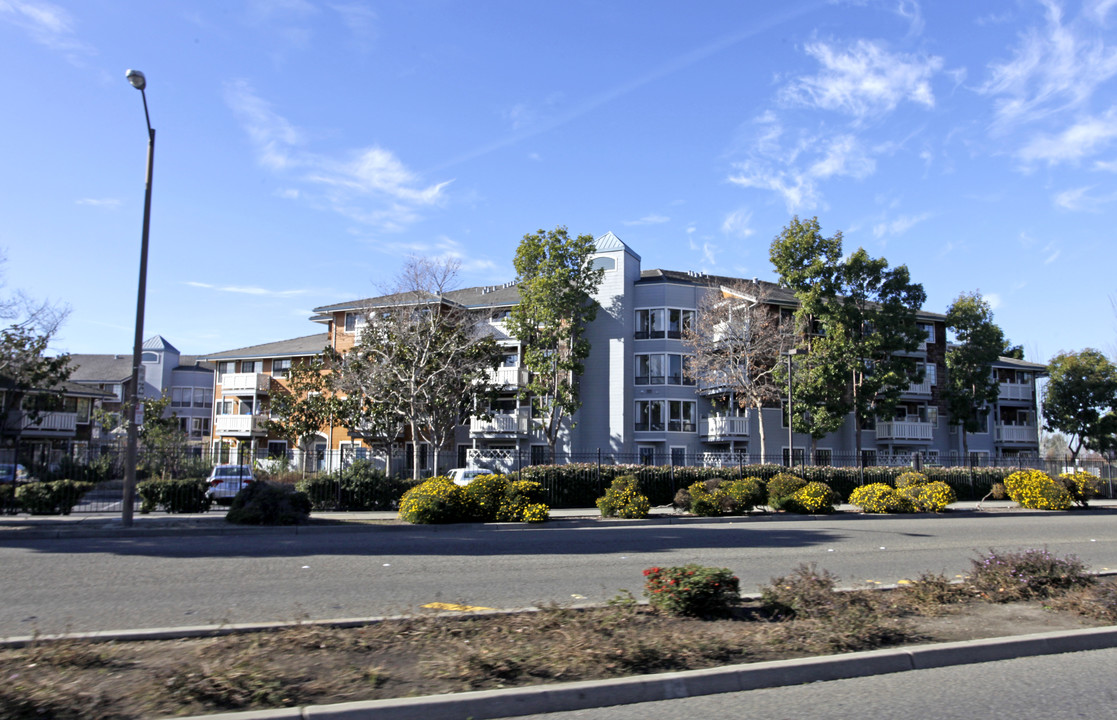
[638, 403]
[186, 379]
[59, 430]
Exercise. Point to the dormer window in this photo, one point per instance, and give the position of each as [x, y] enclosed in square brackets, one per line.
[603, 263]
[149, 357]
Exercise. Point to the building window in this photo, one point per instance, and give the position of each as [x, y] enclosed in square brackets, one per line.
[277, 449]
[868, 458]
[649, 415]
[500, 315]
[354, 321]
[647, 455]
[540, 454]
[649, 324]
[649, 370]
[823, 457]
[681, 415]
[280, 367]
[199, 427]
[800, 453]
[678, 321]
[928, 330]
[678, 456]
[203, 397]
[603, 263]
[251, 366]
[180, 397]
[149, 357]
[83, 409]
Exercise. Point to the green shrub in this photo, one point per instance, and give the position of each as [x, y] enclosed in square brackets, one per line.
[880, 498]
[1081, 485]
[483, 497]
[691, 590]
[928, 497]
[1034, 489]
[51, 498]
[1005, 577]
[782, 487]
[814, 498]
[360, 486]
[705, 498]
[745, 493]
[623, 499]
[264, 503]
[186, 495]
[435, 501]
[910, 479]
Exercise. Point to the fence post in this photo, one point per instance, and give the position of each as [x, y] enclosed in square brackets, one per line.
[600, 491]
[519, 463]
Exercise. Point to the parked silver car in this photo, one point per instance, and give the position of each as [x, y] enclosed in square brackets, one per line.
[225, 481]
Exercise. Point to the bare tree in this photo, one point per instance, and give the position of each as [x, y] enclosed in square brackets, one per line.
[737, 339]
[422, 356]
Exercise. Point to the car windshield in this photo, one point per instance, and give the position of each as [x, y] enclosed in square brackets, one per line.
[232, 471]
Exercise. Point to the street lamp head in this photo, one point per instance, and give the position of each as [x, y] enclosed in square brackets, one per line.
[137, 79]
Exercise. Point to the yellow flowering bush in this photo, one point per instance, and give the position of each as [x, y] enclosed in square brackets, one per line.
[880, 498]
[523, 502]
[1034, 489]
[437, 500]
[910, 478]
[928, 497]
[623, 499]
[535, 513]
[781, 487]
[1081, 485]
[812, 499]
[487, 498]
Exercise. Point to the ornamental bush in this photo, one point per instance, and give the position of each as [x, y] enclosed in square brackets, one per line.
[781, 487]
[928, 497]
[437, 500]
[360, 486]
[1081, 485]
[691, 590]
[51, 498]
[483, 497]
[183, 495]
[265, 503]
[812, 499]
[745, 493]
[488, 498]
[880, 498]
[1034, 489]
[909, 479]
[522, 502]
[623, 499]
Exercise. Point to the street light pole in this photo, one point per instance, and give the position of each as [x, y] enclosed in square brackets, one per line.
[138, 81]
[790, 415]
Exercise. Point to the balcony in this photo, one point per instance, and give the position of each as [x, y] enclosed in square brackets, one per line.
[241, 425]
[724, 428]
[508, 376]
[1016, 434]
[507, 424]
[923, 388]
[1016, 391]
[46, 424]
[244, 383]
[905, 430]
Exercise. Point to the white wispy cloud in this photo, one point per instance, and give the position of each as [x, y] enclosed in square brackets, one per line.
[994, 300]
[1053, 68]
[45, 23]
[863, 80]
[738, 224]
[369, 185]
[900, 225]
[245, 290]
[707, 249]
[1080, 140]
[652, 219]
[910, 11]
[107, 203]
[1080, 200]
[793, 166]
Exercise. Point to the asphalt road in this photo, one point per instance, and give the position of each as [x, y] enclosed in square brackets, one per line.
[1071, 686]
[61, 585]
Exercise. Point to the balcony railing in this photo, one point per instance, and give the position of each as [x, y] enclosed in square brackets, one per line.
[905, 430]
[923, 388]
[508, 376]
[54, 423]
[1015, 391]
[501, 424]
[244, 383]
[1016, 434]
[241, 424]
[717, 428]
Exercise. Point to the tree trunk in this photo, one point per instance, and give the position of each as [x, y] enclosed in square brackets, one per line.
[415, 473]
[760, 430]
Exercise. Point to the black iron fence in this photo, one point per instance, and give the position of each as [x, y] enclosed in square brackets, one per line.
[358, 479]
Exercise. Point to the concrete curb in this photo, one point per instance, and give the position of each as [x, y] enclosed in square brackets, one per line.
[691, 683]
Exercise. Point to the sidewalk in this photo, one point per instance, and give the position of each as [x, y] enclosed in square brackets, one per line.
[79, 525]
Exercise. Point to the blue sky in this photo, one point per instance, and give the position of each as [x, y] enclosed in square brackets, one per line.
[305, 148]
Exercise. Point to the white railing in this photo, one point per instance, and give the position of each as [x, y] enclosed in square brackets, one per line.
[905, 430]
[724, 427]
[240, 424]
[244, 383]
[923, 388]
[513, 376]
[1015, 391]
[1016, 433]
[502, 424]
[50, 422]
[497, 460]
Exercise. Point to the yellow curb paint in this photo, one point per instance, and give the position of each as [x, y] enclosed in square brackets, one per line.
[903, 582]
[452, 607]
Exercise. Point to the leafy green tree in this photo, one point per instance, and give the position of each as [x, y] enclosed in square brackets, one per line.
[1080, 399]
[556, 285]
[164, 440]
[300, 411]
[970, 388]
[30, 381]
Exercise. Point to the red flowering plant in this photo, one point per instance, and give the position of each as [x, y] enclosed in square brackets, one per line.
[692, 590]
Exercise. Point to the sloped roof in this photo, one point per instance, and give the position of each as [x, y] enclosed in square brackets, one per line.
[610, 242]
[100, 368]
[158, 342]
[295, 347]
